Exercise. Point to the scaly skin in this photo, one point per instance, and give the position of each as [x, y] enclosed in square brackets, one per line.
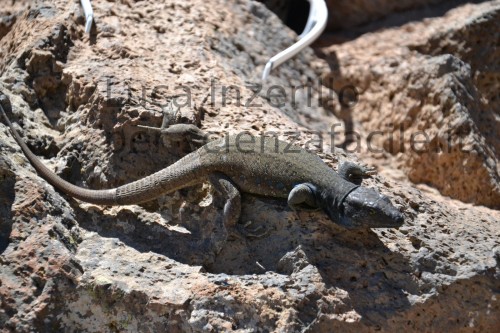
[256, 165]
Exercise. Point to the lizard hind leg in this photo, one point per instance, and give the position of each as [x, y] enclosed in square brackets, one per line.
[232, 208]
[353, 172]
[225, 187]
[302, 197]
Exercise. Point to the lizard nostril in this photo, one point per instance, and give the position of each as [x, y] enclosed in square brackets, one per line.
[399, 218]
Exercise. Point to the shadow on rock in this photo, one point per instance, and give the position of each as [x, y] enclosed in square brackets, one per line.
[7, 196]
[376, 279]
[357, 261]
[7, 193]
[145, 232]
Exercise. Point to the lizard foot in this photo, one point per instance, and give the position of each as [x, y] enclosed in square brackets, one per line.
[355, 173]
[257, 232]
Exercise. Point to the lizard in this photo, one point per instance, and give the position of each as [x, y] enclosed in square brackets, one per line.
[263, 166]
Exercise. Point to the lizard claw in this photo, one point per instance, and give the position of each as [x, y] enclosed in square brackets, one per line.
[367, 171]
[257, 232]
[355, 173]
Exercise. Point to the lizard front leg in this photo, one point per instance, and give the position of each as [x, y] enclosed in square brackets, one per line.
[353, 172]
[302, 197]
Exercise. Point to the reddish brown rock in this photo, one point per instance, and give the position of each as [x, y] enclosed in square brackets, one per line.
[164, 266]
[431, 88]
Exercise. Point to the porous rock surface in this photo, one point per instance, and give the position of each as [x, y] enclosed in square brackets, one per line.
[430, 99]
[169, 265]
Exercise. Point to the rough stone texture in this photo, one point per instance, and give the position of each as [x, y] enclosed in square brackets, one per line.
[437, 81]
[70, 266]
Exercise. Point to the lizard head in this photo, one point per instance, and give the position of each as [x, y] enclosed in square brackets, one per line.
[366, 207]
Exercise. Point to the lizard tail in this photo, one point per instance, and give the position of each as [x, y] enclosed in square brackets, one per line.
[101, 197]
[185, 172]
